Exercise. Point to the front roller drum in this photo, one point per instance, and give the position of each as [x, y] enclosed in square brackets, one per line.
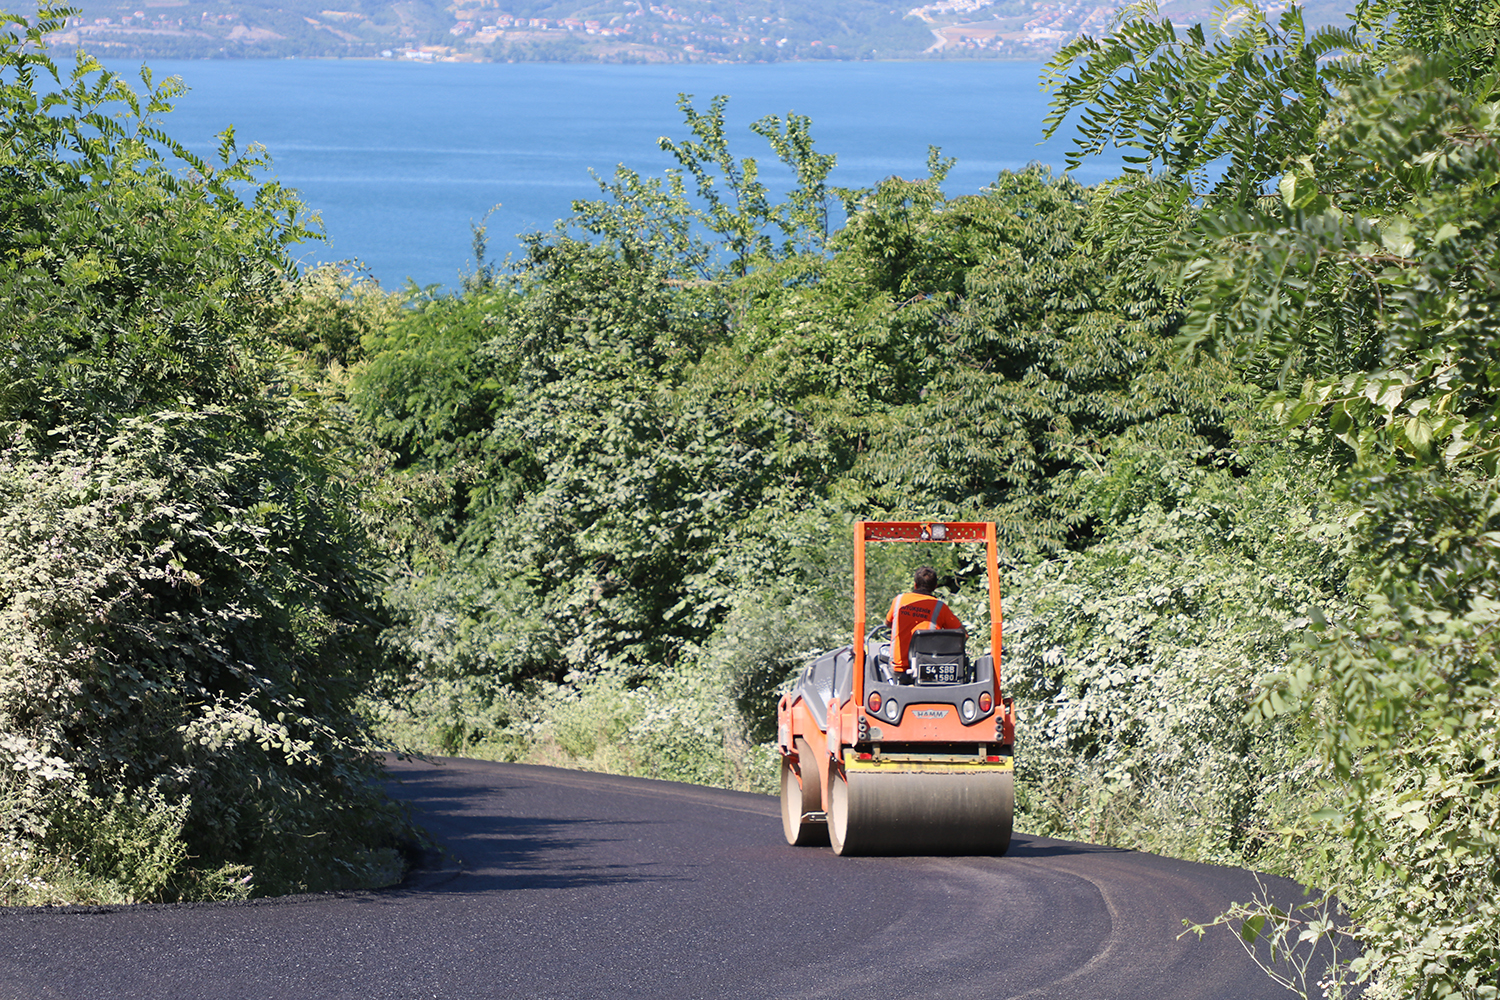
[921, 812]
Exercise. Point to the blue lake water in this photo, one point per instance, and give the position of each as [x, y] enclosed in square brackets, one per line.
[399, 158]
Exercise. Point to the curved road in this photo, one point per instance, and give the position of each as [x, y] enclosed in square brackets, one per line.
[564, 884]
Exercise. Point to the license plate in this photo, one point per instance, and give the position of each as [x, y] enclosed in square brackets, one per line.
[938, 673]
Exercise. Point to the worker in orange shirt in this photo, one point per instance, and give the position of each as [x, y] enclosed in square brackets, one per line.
[914, 610]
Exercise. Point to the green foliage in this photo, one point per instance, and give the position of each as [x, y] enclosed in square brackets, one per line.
[1246, 102]
[120, 276]
[1411, 726]
[1133, 661]
[1369, 275]
[654, 221]
[135, 845]
[436, 378]
[648, 430]
[680, 419]
[1209, 119]
[181, 622]
[327, 313]
[184, 617]
[1433, 26]
[125, 850]
[1025, 366]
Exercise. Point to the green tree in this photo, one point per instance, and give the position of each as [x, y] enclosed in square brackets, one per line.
[1028, 349]
[734, 215]
[185, 614]
[1132, 660]
[1368, 275]
[113, 300]
[1206, 118]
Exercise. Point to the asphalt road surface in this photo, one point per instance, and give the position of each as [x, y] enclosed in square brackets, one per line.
[563, 884]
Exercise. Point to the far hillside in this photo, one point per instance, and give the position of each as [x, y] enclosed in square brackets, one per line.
[624, 31]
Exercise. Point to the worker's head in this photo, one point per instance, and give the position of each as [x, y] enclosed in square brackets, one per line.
[925, 580]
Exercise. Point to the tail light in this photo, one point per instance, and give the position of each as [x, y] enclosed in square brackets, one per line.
[874, 702]
[986, 702]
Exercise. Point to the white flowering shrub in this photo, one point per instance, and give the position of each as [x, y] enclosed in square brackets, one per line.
[1134, 663]
[168, 654]
[184, 617]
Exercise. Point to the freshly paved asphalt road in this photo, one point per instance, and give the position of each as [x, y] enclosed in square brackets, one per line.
[572, 885]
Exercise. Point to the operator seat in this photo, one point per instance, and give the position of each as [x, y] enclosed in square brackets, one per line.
[938, 656]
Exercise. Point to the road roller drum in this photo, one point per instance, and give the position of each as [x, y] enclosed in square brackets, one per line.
[953, 810]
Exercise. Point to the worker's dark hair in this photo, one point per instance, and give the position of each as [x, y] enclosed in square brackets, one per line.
[925, 580]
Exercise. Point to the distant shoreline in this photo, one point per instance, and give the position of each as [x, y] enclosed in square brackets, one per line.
[615, 32]
[70, 50]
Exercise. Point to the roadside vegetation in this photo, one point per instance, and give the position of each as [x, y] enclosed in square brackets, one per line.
[1233, 412]
[186, 611]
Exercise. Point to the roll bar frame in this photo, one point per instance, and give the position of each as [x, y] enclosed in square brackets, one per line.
[940, 532]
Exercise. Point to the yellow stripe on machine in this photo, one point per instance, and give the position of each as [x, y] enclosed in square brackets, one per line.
[926, 764]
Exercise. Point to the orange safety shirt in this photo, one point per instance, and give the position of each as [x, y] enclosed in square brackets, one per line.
[909, 612]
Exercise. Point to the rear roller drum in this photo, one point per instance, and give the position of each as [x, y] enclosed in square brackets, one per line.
[801, 795]
[921, 812]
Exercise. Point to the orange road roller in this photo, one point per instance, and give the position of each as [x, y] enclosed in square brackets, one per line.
[889, 754]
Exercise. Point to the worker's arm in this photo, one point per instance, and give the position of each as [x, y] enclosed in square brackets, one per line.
[947, 619]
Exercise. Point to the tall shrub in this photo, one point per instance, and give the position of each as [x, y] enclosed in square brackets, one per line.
[183, 615]
[1352, 266]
